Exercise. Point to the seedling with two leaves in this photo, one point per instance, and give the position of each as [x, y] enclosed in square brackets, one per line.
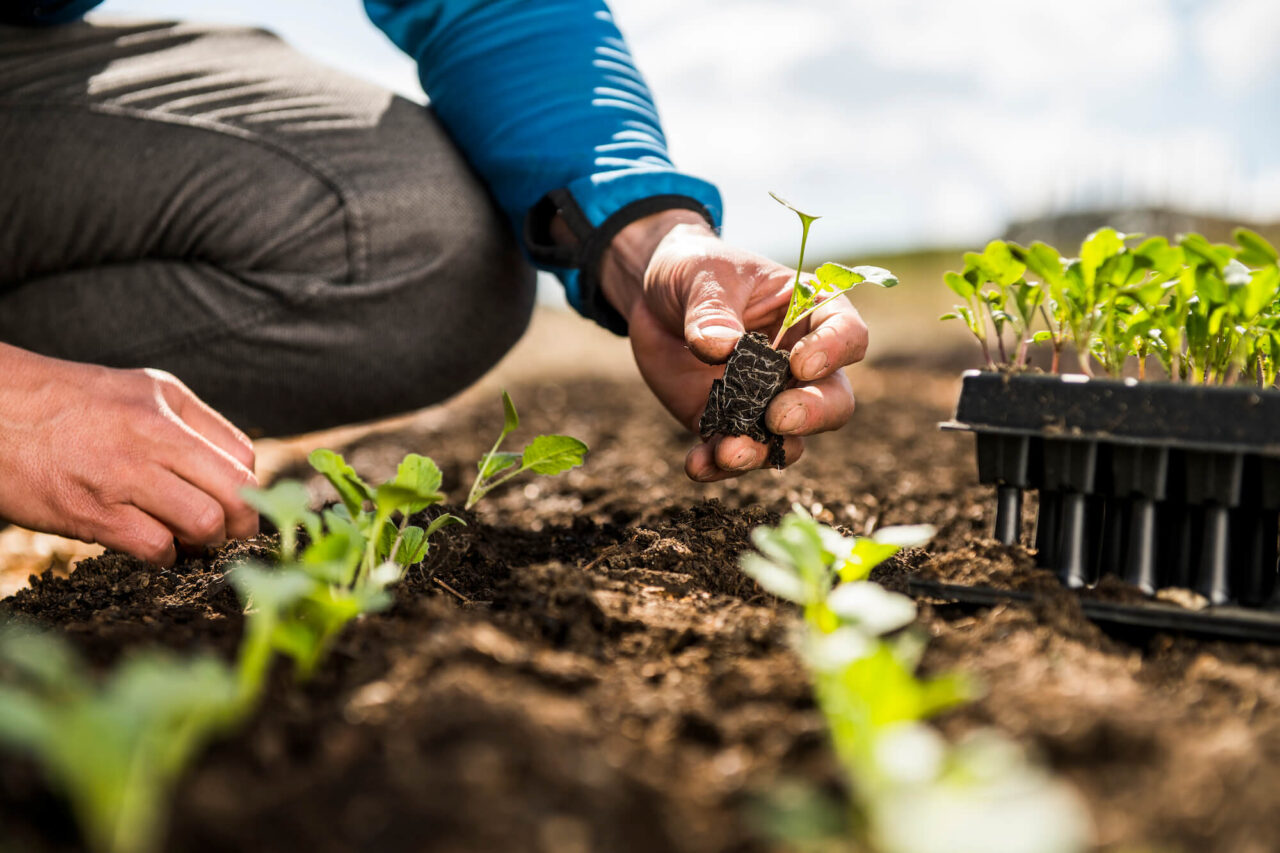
[546, 454]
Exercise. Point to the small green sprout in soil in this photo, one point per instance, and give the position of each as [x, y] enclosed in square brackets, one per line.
[546, 454]
[114, 748]
[356, 551]
[910, 790]
[1206, 312]
[757, 371]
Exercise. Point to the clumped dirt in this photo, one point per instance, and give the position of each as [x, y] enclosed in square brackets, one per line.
[754, 374]
[582, 667]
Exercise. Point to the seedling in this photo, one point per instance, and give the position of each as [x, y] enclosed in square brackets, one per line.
[116, 749]
[1208, 312]
[546, 454]
[356, 551]
[830, 279]
[912, 792]
[758, 371]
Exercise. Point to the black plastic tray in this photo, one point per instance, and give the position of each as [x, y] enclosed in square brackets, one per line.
[1161, 484]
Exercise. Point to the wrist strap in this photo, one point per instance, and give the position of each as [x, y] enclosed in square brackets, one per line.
[579, 265]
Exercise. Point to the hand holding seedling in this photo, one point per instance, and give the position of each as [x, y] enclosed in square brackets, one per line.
[688, 296]
[128, 458]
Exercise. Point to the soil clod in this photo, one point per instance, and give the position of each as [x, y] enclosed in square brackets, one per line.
[753, 376]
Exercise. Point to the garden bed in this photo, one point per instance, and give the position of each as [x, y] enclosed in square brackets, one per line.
[584, 668]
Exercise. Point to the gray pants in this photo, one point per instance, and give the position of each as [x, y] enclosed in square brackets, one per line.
[301, 248]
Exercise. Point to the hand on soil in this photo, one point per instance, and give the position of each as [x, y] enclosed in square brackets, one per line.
[127, 458]
[699, 295]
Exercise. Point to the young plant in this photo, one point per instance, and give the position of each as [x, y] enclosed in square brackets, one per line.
[830, 279]
[114, 749]
[911, 791]
[546, 454]
[356, 551]
[1209, 312]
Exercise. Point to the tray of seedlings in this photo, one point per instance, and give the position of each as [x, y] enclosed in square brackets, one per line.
[1162, 471]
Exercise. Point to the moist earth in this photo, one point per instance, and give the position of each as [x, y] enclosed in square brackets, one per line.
[583, 668]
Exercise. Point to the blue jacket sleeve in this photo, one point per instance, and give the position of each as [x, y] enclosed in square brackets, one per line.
[543, 98]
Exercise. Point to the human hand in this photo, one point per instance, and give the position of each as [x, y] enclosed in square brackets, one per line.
[688, 296]
[128, 458]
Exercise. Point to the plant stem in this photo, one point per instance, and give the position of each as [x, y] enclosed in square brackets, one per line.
[395, 546]
[805, 222]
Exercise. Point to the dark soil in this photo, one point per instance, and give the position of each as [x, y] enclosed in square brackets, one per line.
[582, 668]
[753, 376]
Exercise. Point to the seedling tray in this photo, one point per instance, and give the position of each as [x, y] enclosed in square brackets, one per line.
[1161, 484]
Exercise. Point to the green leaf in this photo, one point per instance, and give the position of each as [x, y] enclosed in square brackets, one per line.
[1198, 248]
[960, 285]
[420, 475]
[286, 504]
[1044, 260]
[999, 263]
[805, 218]
[39, 655]
[841, 278]
[267, 589]
[1097, 249]
[871, 608]
[24, 721]
[446, 520]
[1255, 250]
[496, 463]
[553, 454]
[776, 578]
[390, 497]
[510, 420]
[351, 489]
[1164, 259]
[413, 546]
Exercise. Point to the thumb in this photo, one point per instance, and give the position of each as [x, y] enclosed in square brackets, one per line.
[713, 317]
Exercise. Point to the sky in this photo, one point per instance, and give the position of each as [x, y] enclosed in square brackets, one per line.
[908, 123]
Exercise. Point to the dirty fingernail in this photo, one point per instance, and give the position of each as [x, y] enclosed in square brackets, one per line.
[720, 333]
[814, 364]
[792, 420]
[744, 459]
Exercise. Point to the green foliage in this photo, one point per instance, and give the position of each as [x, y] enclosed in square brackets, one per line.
[830, 279]
[863, 655]
[1207, 312]
[114, 749]
[356, 552]
[546, 454]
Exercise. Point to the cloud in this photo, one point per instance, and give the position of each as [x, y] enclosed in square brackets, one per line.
[920, 121]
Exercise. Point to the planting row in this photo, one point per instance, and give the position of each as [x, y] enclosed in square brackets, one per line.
[116, 749]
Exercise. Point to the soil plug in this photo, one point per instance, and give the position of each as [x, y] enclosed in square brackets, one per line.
[757, 371]
[754, 375]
